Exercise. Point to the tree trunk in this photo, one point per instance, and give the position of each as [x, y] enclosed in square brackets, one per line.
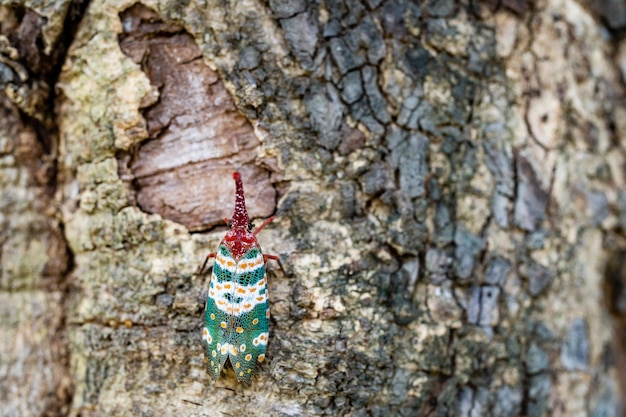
[448, 180]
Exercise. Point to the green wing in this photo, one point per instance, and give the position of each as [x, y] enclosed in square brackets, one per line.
[236, 323]
[250, 331]
[217, 322]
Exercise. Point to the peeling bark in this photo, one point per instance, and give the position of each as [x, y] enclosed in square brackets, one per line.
[196, 133]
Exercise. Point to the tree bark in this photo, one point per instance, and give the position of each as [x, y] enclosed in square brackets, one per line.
[448, 179]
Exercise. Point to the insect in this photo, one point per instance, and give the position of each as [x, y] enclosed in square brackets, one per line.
[236, 323]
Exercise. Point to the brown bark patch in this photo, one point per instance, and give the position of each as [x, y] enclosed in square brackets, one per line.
[197, 138]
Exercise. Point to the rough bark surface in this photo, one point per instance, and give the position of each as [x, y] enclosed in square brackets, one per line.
[449, 178]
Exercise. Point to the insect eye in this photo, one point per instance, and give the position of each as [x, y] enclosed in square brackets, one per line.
[250, 226]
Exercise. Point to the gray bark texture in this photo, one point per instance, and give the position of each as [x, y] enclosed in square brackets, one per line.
[449, 184]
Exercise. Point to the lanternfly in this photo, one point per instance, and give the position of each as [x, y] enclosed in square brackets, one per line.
[236, 323]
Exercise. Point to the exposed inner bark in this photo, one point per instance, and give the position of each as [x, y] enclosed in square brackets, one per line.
[197, 136]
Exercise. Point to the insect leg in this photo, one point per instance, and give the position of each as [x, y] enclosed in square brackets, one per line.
[275, 258]
[265, 223]
[210, 255]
